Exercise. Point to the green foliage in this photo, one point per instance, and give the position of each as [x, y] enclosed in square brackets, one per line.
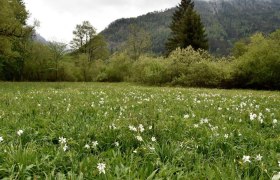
[57, 51]
[183, 58]
[206, 74]
[153, 71]
[83, 33]
[38, 65]
[239, 48]
[259, 66]
[117, 70]
[85, 67]
[97, 48]
[186, 29]
[14, 37]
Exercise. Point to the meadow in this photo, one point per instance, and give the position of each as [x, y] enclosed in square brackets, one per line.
[126, 131]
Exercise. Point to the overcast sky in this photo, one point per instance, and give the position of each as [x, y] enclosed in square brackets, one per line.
[58, 18]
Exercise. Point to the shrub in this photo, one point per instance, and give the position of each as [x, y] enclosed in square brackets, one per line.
[207, 74]
[117, 69]
[182, 59]
[151, 70]
[259, 67]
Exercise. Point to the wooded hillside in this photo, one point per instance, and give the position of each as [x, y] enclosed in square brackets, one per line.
[225, 22]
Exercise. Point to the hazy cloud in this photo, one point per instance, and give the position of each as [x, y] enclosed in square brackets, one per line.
[59, 17]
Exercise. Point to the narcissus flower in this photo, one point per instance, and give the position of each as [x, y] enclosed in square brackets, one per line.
[139, 138]
[259, 157]
[94, 144]
[62, 140]
[101, 167]
[246, 159]
[19, 132]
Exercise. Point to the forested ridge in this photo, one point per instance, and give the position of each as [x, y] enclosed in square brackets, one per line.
[225, 21]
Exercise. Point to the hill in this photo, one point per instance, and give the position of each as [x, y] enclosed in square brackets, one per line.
[226, 21]
[38, 38]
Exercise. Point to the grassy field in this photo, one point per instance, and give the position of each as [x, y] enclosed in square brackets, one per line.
[124, 131]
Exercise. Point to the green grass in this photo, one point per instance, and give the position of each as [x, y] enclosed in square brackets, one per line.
[209, 144]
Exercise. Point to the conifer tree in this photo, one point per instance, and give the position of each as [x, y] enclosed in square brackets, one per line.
[186, 29]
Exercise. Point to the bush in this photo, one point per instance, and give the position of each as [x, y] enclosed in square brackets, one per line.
[117, 69]
[207, 74]
[259, 67]
[151, 71]
[182, 60]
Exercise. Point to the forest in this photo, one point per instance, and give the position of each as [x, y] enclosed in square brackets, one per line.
[243, 52]
[226, 22]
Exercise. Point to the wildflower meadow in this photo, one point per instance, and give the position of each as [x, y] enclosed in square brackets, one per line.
[126, 131]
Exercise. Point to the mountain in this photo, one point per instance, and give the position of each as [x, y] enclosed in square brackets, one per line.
[226, 21]
[38, 38]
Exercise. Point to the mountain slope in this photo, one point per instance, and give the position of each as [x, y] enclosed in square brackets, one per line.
[226, 21]
[38, 38]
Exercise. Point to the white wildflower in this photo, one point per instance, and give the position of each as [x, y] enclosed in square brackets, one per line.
[117, 144]
[204, 121]
[141, 128]
[246, 159]
[113, 126]
[87, 146]
[101, 167]
[1, 139]
[154, 139]
[62, 140]
[226, 136]
[186, 116]
[19, 132]
[65, 147]
[139, 138]
[276, 176]
[253, 116]
[274, 121]
[94, 144]
[132, 128]
[151, 148]
[150, 127]
[259, 157]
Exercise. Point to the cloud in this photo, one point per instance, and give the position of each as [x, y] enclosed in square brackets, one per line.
[59, 17]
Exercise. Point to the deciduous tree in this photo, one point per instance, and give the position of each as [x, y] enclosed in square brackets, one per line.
[83, 33]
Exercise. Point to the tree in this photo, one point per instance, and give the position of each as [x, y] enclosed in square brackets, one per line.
[186, 29]
[97, 48]
[139, 42]
[259, 66]
[37, 65]
[14, 38]
[57, 50]
[83, 33]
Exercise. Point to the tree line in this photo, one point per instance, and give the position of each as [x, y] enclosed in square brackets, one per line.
[254, 61]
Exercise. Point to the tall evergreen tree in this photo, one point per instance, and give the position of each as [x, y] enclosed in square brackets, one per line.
[187, 29]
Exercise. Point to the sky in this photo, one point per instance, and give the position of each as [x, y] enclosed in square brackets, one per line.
[58, 18]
